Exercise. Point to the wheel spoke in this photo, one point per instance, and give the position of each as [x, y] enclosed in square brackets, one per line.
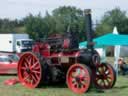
[26, 60]
[25, 73]
[34, 78]
[103, 82]
[33, 61]
[100, 70]
[105, 68]
[23, 68]
[30, 62]
[107, 82]
[26, 77]
[31, 82]
[36, 71]
[83, 82]
[110, 78]
[37, 76]
[107, 72]
[26, 64]
[99, 80]
[75, 73]
[34, 64]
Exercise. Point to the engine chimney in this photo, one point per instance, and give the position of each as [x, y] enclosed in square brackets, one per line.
[89, 32]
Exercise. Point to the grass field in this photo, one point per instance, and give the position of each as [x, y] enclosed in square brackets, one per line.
[120, 89]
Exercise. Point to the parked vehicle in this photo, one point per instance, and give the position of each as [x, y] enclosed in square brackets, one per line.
[15, 42]
[8, 63]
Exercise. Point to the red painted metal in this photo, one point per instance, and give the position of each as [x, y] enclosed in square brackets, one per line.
[11, 81]
[29, 70]
[66, 43]
[104, 76]
[78, 78]
[42, 48]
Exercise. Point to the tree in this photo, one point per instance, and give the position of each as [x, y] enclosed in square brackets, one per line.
[34, 26]
[49, 24]
[72, 17]
[112, 18]
[6, 26]
[62, 19]
[11, 26]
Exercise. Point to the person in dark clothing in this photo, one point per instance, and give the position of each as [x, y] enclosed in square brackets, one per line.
[123, 66]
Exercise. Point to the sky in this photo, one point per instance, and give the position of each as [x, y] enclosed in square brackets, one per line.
[17, 9]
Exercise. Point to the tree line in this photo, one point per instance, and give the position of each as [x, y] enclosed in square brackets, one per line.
[62, 19]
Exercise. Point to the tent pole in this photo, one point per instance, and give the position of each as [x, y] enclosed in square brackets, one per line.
[116, 57]
[103, 58]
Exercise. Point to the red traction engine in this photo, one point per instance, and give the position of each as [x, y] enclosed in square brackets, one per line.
[58, 59]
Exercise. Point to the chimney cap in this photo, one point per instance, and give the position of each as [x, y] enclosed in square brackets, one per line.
[87, 11]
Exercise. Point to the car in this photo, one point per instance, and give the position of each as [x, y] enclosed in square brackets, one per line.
[8, 63]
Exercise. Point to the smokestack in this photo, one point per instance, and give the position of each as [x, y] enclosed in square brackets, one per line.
[89, 32]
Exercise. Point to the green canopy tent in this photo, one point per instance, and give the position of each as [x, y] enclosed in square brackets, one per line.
[107, 40]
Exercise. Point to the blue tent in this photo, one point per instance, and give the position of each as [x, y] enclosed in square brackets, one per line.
[108, 40]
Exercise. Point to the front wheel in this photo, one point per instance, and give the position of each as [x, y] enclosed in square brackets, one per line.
[78, 78]
[104, 76]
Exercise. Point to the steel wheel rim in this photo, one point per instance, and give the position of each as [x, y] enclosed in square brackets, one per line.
[78, 78]
[29, 70]
[104, 76]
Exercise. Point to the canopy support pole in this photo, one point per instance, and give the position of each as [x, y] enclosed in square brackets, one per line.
[116, 57]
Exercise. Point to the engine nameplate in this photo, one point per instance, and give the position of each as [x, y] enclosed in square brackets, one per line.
[64, 59]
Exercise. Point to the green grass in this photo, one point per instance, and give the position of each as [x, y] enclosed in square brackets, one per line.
[120, 89]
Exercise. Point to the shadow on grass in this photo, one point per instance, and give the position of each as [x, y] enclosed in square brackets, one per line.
[63, 85]
[53, 85]
[94, 89]
[121, 87]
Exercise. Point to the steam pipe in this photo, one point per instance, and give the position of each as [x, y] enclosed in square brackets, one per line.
[89, 32]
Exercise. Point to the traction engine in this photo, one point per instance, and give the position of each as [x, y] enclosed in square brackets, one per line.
[58, 59]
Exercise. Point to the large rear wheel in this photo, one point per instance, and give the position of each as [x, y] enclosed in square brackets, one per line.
[78, 78]
[30, 70]
[104, 76]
